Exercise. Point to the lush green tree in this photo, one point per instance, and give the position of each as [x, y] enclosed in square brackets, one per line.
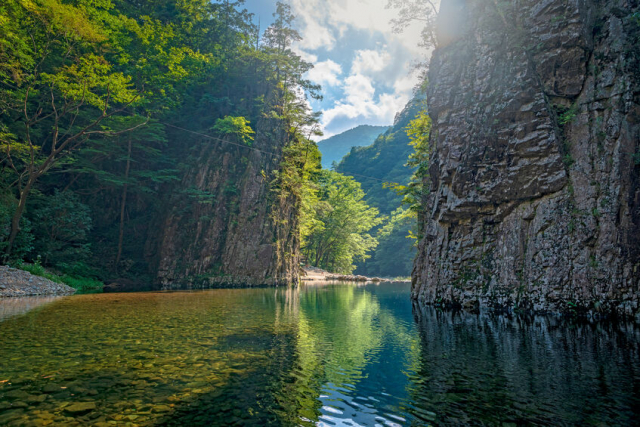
[419, 132]
[115, 100]
[59, 91]
[338, 231]
[381, 168]
[237, 127]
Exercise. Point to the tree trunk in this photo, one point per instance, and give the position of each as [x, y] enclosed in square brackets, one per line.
[17, 216]
[123, 206]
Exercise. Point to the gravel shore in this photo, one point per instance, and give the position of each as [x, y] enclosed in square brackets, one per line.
[20, 283]
[314, 274]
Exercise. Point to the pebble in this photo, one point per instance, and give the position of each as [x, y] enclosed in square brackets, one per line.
[80, 408]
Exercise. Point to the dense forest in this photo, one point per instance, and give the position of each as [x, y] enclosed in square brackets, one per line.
[333, 149]
[386, 174]
[107, 105]
[132, 135]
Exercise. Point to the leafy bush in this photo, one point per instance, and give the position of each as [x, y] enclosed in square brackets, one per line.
[236, 126]
[38, 270]
[82, 283]
[77, 282]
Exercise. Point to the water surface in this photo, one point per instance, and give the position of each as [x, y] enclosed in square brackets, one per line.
[327, 355]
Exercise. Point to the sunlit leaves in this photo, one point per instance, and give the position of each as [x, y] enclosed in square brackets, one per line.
[238, 127]
[92, 81]
[338, 232]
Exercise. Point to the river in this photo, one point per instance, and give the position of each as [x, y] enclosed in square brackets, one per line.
[324, 355]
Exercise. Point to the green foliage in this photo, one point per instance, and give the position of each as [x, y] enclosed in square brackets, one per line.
[97, 102]
[419, 132]
[81, 283]
[338, 229]
[38, 270]
[25, 239]
[238, 127]
[84, 284]
[387, 160]
[396, 240]
[62, 223]
[566, 115]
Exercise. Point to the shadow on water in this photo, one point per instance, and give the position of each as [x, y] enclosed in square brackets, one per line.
[485, 369]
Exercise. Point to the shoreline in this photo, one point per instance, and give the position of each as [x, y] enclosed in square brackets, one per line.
[314, 274]
[20, 283]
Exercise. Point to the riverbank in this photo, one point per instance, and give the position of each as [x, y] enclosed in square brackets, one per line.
[314, 274]
[20, 283]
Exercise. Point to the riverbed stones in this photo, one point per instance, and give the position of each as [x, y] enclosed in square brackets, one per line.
[80, 408]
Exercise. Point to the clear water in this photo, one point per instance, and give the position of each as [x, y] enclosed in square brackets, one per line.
[327, 355]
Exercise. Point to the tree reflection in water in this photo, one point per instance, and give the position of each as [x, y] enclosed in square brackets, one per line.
[322, 355]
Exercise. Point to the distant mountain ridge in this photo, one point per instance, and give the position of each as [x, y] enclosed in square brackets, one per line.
[335, 148]
[385, 160]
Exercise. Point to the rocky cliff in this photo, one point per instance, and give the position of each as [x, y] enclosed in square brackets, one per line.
[226, 223]
[535, 166]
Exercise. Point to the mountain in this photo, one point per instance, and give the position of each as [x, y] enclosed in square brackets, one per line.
[372, 166]
[333, 149]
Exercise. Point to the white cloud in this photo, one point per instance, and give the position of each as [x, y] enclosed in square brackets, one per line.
[360, 101]
[315, 30]
[325, 73]
[377, 84]
[368, 61]
[316, 36]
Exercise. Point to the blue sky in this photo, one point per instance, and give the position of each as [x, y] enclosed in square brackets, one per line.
[363, 67]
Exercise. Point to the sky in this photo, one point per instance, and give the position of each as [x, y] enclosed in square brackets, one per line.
[363, 67]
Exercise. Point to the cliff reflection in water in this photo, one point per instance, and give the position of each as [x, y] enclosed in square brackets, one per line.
[490, 369]
[323, 355]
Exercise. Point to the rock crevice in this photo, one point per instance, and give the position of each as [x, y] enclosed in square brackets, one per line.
[534, 179]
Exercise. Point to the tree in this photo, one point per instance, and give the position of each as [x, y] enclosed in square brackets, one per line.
[60, 92]
[237, 127]
[337, 233]
[423, 12]
[62, 223]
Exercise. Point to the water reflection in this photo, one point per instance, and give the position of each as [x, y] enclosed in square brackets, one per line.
[496, 370]
[10, 307]
[329, 355]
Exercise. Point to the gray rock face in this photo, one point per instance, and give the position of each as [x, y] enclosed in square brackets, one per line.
[234, 229]
[535, 175]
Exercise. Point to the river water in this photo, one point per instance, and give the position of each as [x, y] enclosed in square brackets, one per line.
[325, 355]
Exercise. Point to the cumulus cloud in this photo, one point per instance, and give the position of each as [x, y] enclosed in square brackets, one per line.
[368, 61]
[361, 64]
[361, 101]
[326, 73]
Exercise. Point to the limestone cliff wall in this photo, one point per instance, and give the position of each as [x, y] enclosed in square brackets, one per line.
[225, 224]
[535, 175]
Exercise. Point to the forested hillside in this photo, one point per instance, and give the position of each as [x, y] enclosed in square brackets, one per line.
[377, 168]
[335, 148]
[152, 142]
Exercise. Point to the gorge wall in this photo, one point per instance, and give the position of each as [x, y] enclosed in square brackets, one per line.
[227, 224]
[534, 179]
